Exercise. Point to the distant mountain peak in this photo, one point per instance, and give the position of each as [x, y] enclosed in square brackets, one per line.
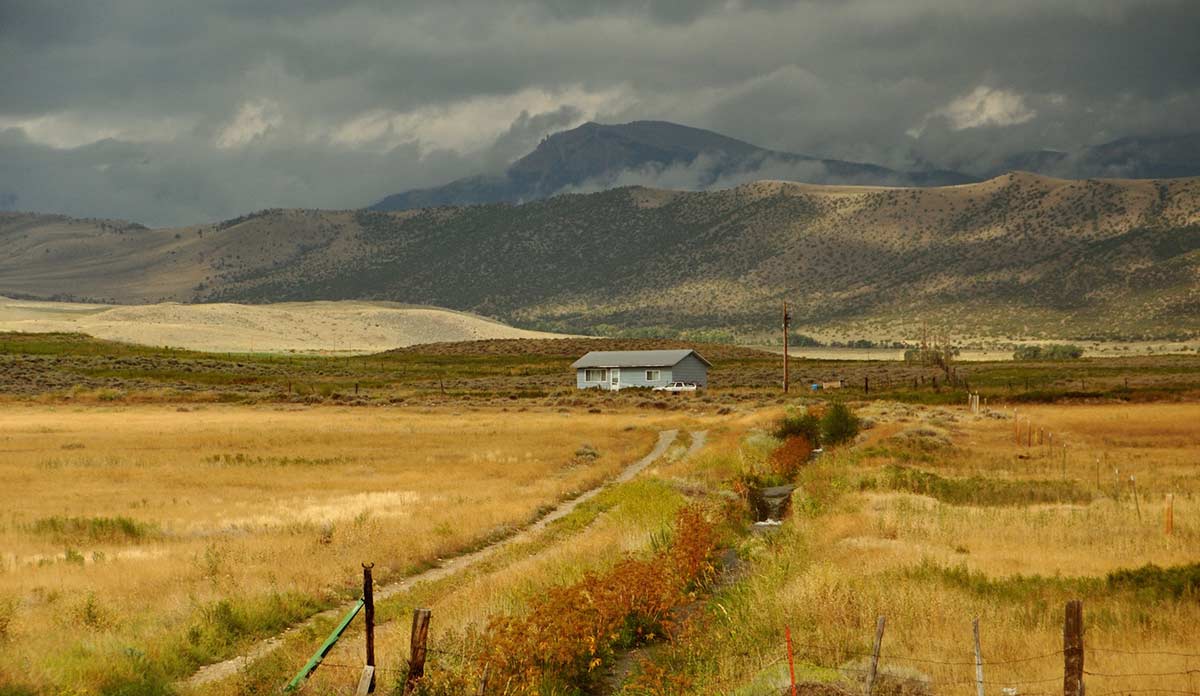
[594, 156]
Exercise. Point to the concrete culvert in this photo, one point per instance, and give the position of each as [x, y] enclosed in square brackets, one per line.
[770, 505]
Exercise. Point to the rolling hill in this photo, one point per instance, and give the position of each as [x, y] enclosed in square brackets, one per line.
[1019, 255]
[594, 156]
[301, 327]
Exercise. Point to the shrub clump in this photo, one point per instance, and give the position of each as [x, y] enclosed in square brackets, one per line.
[806, 425]
[834, 425]
[570, 631]
[586, 453]
[787, 459]
[923, 438]
[839, 424]
[1175, 582]
[1061, 351]
[103, 529]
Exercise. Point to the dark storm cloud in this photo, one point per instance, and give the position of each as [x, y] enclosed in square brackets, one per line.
[168, 112]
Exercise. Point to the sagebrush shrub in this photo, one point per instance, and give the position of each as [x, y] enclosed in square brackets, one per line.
[839, 424]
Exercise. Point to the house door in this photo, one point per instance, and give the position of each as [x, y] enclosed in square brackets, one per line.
[614, 378]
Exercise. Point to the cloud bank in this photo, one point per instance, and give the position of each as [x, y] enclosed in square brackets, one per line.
[171, 112]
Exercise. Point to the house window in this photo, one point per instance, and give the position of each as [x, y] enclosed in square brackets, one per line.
[594, 375]
[653, 375]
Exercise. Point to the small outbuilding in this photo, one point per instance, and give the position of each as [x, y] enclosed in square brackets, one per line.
[623, 369]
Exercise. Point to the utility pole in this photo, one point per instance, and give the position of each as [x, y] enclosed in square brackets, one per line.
[787, 321]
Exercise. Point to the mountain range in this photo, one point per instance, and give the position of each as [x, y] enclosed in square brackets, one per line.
[595, 157]
[1018, 255]
[1151, 157]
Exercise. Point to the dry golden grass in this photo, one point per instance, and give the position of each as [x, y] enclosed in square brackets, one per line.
[246, 504]
[622, 520]
[850, 555]
[221, 526]
[1155, 443]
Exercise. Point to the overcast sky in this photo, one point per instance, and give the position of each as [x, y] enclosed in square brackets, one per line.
[172, 112]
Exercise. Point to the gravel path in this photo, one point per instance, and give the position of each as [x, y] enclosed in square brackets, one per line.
[227, 668]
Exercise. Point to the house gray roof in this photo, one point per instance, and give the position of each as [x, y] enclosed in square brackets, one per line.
[636, 358]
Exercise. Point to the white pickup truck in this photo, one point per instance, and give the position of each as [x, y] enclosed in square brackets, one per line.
[677, 387]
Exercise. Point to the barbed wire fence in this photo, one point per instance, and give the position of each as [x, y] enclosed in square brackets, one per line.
[1077, 669]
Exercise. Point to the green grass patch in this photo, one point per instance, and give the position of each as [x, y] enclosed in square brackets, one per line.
[1014, 588]
[648, 503]
[1154, 582]
[1148, 584]
[96, 529]
[977, 490]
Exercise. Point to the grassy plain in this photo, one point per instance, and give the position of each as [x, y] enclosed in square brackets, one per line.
[141, 541]
[990, 529]
[164, 509]
[931, 554]
[71, 368]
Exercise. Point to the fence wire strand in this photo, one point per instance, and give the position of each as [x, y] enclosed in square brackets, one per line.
[1119, 692]
[929, 660]
[928, 681]
[1179, 673]
[1141, 652]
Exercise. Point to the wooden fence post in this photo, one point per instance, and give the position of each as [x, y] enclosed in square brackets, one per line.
[978, 660]
[416, 661]
[879, 624]
[1073, 649]
[369, 616]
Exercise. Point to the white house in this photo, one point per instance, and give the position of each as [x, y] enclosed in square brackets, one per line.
[622, 369]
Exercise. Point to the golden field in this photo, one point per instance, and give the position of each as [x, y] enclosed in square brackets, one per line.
[1006, 533]
[137, 536]
[242, 521]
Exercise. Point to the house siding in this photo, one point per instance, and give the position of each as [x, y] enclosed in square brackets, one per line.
[579, 382]
[691, 369]
[631, 377]
[636, 377]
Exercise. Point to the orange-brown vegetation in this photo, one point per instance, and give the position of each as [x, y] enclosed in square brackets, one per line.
[576, 628]
[787, 459]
